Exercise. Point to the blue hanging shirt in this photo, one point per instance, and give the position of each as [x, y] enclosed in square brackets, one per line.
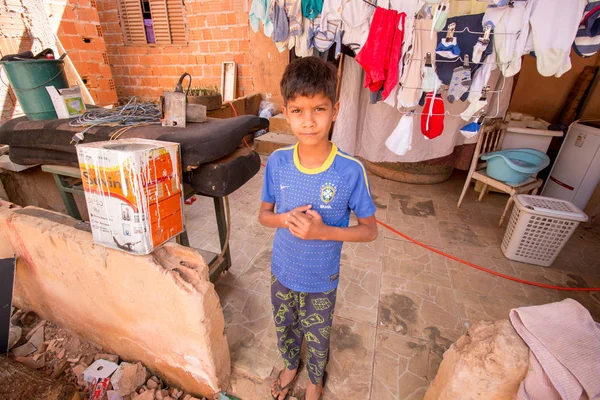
[334, 189]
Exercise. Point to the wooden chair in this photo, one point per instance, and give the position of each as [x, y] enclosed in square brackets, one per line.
[491, 136]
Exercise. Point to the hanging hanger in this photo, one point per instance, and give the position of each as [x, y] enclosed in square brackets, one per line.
[372, 3]
[466, 61]
[481, 118]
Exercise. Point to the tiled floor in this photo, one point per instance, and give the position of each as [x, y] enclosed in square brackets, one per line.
[399, 305]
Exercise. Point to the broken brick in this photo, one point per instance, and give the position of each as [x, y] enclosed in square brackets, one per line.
[128, 378]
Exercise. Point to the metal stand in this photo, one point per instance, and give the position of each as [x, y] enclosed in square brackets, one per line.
[68, 187]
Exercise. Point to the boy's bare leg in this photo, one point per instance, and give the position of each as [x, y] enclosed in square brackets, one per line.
[313, 392]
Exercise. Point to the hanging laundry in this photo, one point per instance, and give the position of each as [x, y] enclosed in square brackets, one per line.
[323, 40]
[470, 130]
[440, 16]
[332, 11]
[432, 118]
[587, 42]
[281, 27]
[466, 42]
[473, 109]
[311, 8]
[380, 55]
[259, 12]
[460, 83]
[400, 140]
[553, 30]
[409, 7]
[356, 15]
[511, 28]
[393, 66]
[300, 42]
[479, 49]
[293, 10]
[448, 48]
[480, 79]
[410, 90]
[466, 7]
[429, 79]
[523, 42]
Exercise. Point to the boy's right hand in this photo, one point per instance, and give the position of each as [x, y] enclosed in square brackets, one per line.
[285, 216]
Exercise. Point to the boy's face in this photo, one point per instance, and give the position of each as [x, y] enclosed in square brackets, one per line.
[310, 118]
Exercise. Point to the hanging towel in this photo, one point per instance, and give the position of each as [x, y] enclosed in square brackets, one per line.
[553, 30]
[564, 344]
[312, 8]
[376, 55]
[356, 15]
[400, 140]
[410, 91]
[332, 11]
[587, 42]
[393, 64]
[281, 27]
[259, 12]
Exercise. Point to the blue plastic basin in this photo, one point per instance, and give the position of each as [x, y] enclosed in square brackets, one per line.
[514, 166]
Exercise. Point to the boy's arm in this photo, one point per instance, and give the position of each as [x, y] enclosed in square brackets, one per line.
[310, 226]
[268, 217]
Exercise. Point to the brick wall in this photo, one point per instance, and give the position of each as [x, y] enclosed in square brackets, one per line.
[217, 32]
[77, 25]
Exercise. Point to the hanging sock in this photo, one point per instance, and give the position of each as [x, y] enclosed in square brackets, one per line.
[460, 83]
[429, 79]
[400, 140]
[473, 108]
[448, 48]
[432, 119]
[470, 130]
[479, 49]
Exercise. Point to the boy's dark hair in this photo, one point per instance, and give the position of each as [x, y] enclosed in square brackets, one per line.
[308, 77]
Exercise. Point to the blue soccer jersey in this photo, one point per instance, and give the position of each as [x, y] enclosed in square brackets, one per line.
[339, 186]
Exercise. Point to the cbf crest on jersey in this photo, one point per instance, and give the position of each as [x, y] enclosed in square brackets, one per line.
[328, 191]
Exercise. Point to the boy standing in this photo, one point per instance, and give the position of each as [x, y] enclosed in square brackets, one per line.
[308, 193]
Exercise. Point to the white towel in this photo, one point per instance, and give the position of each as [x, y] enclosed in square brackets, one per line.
[564, 343]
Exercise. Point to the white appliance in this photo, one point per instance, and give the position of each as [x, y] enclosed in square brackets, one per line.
[576, 171]
[526, 131]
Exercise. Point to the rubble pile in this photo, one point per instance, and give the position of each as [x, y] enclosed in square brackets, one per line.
[59, 354]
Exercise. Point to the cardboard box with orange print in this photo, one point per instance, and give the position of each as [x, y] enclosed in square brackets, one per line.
[133, 190]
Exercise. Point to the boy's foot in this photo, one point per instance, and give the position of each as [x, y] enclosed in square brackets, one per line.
[313, 392]
[282, 385]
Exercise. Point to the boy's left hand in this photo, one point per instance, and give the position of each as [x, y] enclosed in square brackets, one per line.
[307, 226]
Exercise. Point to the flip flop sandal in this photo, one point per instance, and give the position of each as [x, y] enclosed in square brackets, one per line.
[289, 386]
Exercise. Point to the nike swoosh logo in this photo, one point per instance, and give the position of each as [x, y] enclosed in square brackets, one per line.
[283, 187]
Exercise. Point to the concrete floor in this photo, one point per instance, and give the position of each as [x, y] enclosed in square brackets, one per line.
[399, 305]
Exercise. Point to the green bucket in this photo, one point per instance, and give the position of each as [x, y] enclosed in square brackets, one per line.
[29, 80]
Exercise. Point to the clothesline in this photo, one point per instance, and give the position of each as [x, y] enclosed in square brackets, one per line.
[470, 31]
[454, 60]
[454, 115]
[458, 115]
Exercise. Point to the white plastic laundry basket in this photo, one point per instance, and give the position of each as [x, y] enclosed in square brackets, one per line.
[539, 228]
